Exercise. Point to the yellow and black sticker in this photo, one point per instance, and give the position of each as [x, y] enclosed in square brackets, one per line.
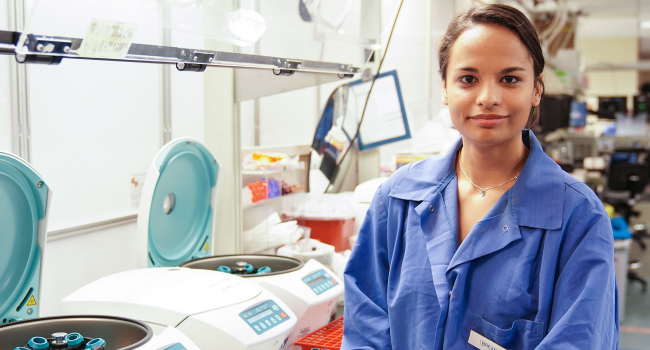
[207, 246]
[32, 301]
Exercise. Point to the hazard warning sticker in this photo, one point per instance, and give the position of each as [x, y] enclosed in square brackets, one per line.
[32, 301]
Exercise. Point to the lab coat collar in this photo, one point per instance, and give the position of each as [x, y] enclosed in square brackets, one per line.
[537, 196]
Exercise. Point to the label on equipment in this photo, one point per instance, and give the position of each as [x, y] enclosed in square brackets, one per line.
[483, 343]
[137, 183]
[32, 301]
[107, 39]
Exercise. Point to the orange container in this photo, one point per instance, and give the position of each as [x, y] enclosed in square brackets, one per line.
[328, 337]
[332, 231]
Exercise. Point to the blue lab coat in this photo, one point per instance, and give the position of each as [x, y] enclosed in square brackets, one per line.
[537, 272]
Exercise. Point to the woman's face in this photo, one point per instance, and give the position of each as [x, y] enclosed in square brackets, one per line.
[490, 86]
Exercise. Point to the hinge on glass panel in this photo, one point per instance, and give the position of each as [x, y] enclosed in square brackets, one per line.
[45, 45]
[198, 61]
[286, 67]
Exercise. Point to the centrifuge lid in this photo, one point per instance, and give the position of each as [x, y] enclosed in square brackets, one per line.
[186, 183]
[23, 202]
[161, 295]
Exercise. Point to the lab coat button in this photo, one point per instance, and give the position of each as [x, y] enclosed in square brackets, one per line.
[431, 208]
[505, 228]
[450, 294]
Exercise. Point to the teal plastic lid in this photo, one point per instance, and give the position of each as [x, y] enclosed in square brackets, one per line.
[95, 343]
[180, 219]
[74, 339]
[38, 343]
[23, 200]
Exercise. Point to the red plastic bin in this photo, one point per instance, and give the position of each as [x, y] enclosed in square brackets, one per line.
[328, 337]
[334, 232]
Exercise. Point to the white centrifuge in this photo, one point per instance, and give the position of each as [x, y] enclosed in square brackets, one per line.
[90, 333]
[175, 222]
[177, 205]
[310, 290]
[24, 198]
[214, 310]
[76, 332]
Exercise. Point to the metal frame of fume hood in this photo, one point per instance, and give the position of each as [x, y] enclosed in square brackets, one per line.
[185, 59]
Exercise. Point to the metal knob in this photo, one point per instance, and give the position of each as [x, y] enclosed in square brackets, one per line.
[59, 338]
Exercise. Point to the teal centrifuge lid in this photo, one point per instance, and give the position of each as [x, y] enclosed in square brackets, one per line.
[181, 212]
[23, 202]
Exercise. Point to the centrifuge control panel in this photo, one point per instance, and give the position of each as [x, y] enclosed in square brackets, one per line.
[264, 317]
[320, 282]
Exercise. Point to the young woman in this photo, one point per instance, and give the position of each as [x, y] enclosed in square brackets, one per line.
[491, 244]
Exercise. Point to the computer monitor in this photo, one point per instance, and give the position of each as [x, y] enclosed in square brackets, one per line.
[554, 112]
[610, 105]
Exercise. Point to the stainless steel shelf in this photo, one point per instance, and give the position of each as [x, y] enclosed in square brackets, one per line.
[52, 49]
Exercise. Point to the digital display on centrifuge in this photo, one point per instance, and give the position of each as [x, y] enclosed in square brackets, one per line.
[316, 281]
[259, 316]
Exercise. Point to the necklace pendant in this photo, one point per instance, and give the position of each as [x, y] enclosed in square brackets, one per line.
[482, 194]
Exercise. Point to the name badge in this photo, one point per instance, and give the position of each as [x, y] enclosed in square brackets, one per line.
[483, 343]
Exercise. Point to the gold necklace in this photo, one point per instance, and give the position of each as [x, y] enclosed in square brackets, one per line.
[483, 190]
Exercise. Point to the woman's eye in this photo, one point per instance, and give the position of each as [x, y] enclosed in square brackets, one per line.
[467, 79]
[510, 79]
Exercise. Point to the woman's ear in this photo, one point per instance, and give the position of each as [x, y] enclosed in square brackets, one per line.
[539, 90]
[444, 93]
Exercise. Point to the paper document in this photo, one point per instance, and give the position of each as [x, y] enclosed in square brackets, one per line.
[383, 118]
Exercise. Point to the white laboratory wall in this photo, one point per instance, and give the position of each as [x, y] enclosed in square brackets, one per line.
[71, 263]
[5, 105]
[289, 118]
[187, 104]
[247, 123]
[95, 126]
[5, 92]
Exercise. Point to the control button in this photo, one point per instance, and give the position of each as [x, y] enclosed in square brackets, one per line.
[268, 323]
[278, 317]
[315, 290]
[333, 281]
[263, 326]
[257, 328]
[274, 321]
[276, 308]
[283, 315]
